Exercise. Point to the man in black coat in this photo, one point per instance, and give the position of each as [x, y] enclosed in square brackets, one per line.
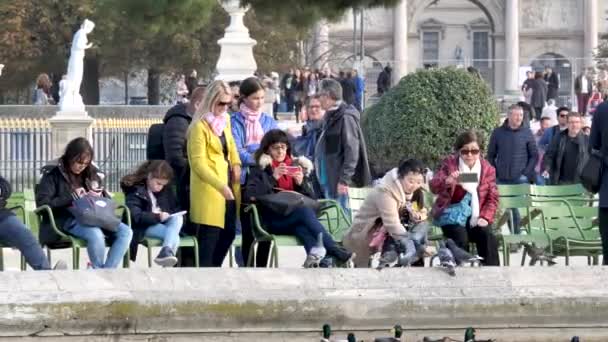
[599, 142]
[341, 154]
[552, 83]
[177, 120]
[384, 80]
[567, 153]
[348, 88]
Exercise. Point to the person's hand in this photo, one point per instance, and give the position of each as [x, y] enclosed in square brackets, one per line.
[236, 174]
[227, 193]
[430, 251]
[421, 215]
[80, 192]
[342, 189]
[482, 223]
[90, 45]
[163, 216]
[452, 178]
[299, 177]
[279, 171]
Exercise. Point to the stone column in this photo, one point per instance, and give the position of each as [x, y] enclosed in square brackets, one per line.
[591, 31]
[321, 44]
[236, 60]
[400, 41]
[511, 47]
[66, 126]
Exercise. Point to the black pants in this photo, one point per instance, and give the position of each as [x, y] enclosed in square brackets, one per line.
[484, 239]
[538, 111]
[603, 216]
[214, 242]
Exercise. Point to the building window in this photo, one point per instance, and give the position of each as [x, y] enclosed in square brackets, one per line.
[481, 48]
[430, 48]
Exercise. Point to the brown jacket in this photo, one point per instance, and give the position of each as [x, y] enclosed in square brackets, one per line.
[380, 209]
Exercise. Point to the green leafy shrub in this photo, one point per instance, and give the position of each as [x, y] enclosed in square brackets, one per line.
[422, 116]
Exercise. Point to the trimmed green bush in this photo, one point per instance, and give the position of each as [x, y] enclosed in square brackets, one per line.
[422, 116]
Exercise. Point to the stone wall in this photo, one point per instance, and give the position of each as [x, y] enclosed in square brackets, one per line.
[17, 111]
[511, 304]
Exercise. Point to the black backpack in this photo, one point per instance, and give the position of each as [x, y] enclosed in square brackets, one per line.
[154, 147]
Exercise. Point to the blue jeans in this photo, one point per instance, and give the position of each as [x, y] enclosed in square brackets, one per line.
[167, 231]
[96, 243]
[515, 228]
[341, 199]
[13, 233]
[304, 225]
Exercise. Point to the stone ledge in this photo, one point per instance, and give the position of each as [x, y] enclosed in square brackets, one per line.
[296, 302]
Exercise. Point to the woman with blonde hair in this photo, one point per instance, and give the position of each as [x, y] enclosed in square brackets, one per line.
[215, 171]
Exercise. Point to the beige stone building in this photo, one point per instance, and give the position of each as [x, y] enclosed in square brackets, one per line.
[498, 37]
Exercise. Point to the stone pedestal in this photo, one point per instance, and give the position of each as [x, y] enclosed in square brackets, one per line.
[236, 60]
[66, 126]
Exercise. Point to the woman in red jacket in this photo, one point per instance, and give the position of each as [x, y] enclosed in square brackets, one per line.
[483, 194]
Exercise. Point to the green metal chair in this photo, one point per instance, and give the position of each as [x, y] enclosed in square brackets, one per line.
[69, 241]
[184, 241]
[261, 235]
[573, 231]
[15, 203]
[149, 243]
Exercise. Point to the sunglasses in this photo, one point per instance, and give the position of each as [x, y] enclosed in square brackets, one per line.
[224, 103]
[472, 152]
[563, 115]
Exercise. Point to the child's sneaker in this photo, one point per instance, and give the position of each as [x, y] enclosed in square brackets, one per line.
[166, 258]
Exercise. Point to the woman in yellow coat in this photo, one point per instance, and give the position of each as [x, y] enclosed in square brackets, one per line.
[215, 171]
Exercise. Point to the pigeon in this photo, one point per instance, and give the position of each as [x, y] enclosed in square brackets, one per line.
[469, 336]
[446, 259]
[397, 333]
[460, 254]
[408, 251]
[389, 258]
[445, 339]
[327, 335]
[316, 254]
[537, 254]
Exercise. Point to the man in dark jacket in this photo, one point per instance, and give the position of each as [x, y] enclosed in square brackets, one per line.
[567, 153]
[384, 80]
[599, 142]
[341, 155]
[552, 83]
[512, 151]
[348, 88]
[177, 120]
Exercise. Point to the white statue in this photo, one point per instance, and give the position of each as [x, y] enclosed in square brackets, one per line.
[70, 99]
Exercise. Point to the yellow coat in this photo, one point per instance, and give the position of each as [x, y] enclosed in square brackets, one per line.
[209, 173]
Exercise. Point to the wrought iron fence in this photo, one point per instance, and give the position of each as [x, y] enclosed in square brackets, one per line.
[120, 145]
[25, 147]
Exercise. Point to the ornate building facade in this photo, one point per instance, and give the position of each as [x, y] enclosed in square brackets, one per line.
[498, 37]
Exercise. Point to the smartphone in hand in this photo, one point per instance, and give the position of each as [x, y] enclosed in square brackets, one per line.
[468, 177]
[292, 170]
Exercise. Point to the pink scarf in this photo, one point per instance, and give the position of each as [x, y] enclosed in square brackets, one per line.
[254, 131]
[217, 123]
